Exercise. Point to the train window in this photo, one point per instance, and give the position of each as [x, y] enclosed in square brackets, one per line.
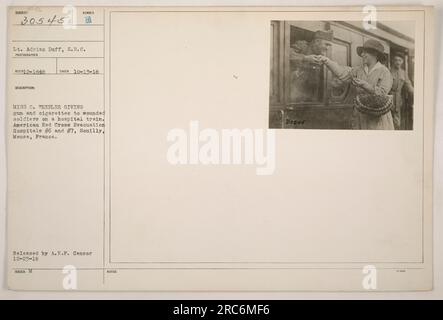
[309, 82]
[340, 52]
[306, 79]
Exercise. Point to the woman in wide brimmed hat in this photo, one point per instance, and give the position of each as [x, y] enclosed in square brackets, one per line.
[373, 82]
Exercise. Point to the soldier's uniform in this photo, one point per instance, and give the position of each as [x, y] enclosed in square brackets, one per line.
[401, 83]
[305, 76]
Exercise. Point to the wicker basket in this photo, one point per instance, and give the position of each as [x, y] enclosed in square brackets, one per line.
[373, 104]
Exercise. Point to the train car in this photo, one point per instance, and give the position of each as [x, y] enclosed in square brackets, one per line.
[323, 104]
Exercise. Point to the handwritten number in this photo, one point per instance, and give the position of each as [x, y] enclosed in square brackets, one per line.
[36, 21]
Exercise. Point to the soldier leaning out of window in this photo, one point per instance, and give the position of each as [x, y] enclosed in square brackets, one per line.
[305, 68]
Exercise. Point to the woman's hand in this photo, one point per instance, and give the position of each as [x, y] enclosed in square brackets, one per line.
[322, 59]
[362, 84]
[311, 59]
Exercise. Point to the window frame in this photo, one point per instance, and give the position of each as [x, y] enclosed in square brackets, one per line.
[287, 76]
[326, 100]
[329, 99]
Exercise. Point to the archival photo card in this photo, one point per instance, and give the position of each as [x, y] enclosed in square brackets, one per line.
[151, 148]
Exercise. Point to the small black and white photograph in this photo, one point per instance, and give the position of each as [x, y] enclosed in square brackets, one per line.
[342, 75]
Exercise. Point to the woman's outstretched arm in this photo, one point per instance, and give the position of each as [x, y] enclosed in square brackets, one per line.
[343, 73]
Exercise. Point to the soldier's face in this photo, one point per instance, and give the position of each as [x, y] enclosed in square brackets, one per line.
[398, 62]
[319, 46]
